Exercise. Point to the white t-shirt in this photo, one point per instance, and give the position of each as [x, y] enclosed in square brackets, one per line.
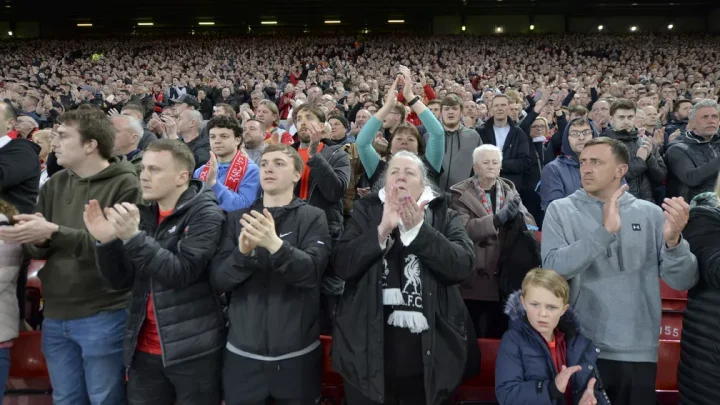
[501, 135]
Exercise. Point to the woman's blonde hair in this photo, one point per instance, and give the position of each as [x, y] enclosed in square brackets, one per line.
[549, 280]
[273, 109]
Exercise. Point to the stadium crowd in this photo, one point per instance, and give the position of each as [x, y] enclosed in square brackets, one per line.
[207, 207]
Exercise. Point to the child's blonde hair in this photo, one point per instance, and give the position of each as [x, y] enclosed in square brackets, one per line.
[549, 280]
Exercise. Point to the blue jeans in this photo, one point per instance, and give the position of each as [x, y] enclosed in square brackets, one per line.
[4, 370]
[85, 359]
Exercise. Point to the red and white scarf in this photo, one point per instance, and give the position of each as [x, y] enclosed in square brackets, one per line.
[235, 172]
[485, 200]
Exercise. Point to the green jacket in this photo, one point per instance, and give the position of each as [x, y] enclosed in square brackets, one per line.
[72, 287]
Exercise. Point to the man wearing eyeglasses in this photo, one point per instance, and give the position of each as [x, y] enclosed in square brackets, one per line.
[561, 177]
[647, 169]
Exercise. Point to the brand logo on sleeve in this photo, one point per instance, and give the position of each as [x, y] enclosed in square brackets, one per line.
[636, 227]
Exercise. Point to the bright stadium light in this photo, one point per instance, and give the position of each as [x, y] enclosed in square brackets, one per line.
[268, 22]
[10, 33]
[396, 21]
[532, 27]
[463, 28]
[499, 30]
[670, 26]
[206, 23]
[145, 24]
[332, 21]
[600, 27]
[633, 28]
[84, 25]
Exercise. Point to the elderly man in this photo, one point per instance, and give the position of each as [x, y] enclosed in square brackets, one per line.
[128, 132]
[26, 126]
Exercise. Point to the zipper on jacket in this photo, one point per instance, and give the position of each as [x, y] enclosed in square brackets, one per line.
[620, 256]
[157, 325]
[452, 144]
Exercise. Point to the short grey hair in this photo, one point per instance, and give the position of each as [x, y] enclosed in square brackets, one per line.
[486, 148]
[134, 125]
[195, 115]
[707, 103]
[415, 159]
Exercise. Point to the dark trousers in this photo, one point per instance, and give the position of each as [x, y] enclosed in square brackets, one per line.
[488, 317]
[398, 391]
[194, 382]
[295, 381]
[628, 383]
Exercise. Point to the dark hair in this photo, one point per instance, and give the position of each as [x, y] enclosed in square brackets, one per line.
[263, 127]
[434, 101]
[226, 123]
[226, 107]
[676, 107]
[400, 109]
[619, 150]
[180, 152]
[578, 110]
[622, 104]
[137, 108]
[288, 150]
[451, 100]
[314, 109]
[405, 127]
[9, 211]
[93, 124]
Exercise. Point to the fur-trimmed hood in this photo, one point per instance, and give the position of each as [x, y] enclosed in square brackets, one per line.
[569, 322]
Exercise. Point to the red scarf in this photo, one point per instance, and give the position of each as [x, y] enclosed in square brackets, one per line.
[235, 172]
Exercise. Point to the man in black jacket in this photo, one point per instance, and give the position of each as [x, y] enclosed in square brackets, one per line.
[175, 330]
[323, 184]
[19, 165]
[271, 259]
[502, 132]
[647, 169]
[694, 158]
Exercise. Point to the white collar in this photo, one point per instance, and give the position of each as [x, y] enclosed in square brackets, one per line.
[427, 195]
[4, 140]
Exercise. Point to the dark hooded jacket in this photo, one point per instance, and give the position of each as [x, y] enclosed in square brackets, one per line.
[446, 254]
[698, 372]
[561, 177]
[171, 261]
[643, 176]
[20, 174]
[693, 165]
[524, 370]
[517, 158]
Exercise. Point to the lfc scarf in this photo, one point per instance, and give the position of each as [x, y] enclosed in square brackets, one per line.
[485, 200]
[235, 172]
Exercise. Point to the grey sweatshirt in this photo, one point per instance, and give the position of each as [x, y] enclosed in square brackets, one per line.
[615, 279]
[458, 162]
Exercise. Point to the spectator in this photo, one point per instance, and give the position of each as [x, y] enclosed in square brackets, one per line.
[647, 169]
[616, 291]
[144, 99]
[135, 111]
[323, 184]
[459, 144]
[699, 329]
[223, 110]
[254, 139]
[340, 127]
[127, 135]
[19, 165]
[175, 331]
[404, 137]
[267, 113]
[25, 127]
[694, 158]
[11, 260]
[678, 123]
[501, 131]
[176, 91]
[43, 139]
[84, 321]
[383, 352]
[206, 105]
[271, 260]
[540, 319]
[486, 202]
[230, 173]
[226, 97]
[561, 177]
[188, 130]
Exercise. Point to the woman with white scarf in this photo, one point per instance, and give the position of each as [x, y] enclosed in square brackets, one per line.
[401, 331]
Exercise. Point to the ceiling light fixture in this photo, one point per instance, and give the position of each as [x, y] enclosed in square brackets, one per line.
[268, 22]
[396, 21]
[633, 28]
[670, 26]
[146, 24]
[332, 21]
[600, 27]
[532, 27]
[84, 25]
[206, 23]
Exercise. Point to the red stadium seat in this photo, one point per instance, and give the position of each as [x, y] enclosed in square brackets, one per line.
[33, 294]
[666, 381]
[481, 388]
[332, 385]
[671, 325]
[28, 363]
[672, 300]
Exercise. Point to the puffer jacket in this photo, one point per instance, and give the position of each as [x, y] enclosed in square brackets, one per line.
[561, 177]
[643, 176]
[482, 285]
[446, 255]
[171, 261]
[525, 371]
[693, 165]
[698, 372]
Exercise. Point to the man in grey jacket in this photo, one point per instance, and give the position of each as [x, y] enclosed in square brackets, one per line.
[460, 142]
[613, 249]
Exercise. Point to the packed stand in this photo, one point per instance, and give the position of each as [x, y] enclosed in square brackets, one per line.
[208, 207]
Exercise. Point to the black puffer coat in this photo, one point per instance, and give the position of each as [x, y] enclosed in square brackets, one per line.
[699, 373]
[446, 254]
[643, 175]
[171, 261]
[693, 165]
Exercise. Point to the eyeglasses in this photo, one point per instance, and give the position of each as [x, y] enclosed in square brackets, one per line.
[537, 126]
[577, 134]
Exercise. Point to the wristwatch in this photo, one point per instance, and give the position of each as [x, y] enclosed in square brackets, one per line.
[414, 100]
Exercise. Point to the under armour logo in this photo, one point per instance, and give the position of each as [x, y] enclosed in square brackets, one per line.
[636, 227]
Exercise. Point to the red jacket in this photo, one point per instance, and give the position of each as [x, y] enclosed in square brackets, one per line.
[429, 95]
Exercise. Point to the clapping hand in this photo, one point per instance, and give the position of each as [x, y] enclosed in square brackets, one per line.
[677, 213]
[260, 231]
[125, 219]
[611, 211]
[211, 179]
[588, 397]
[99, 227]
[563, 377]
[407, 84]
[391, 217]
[412, 213]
